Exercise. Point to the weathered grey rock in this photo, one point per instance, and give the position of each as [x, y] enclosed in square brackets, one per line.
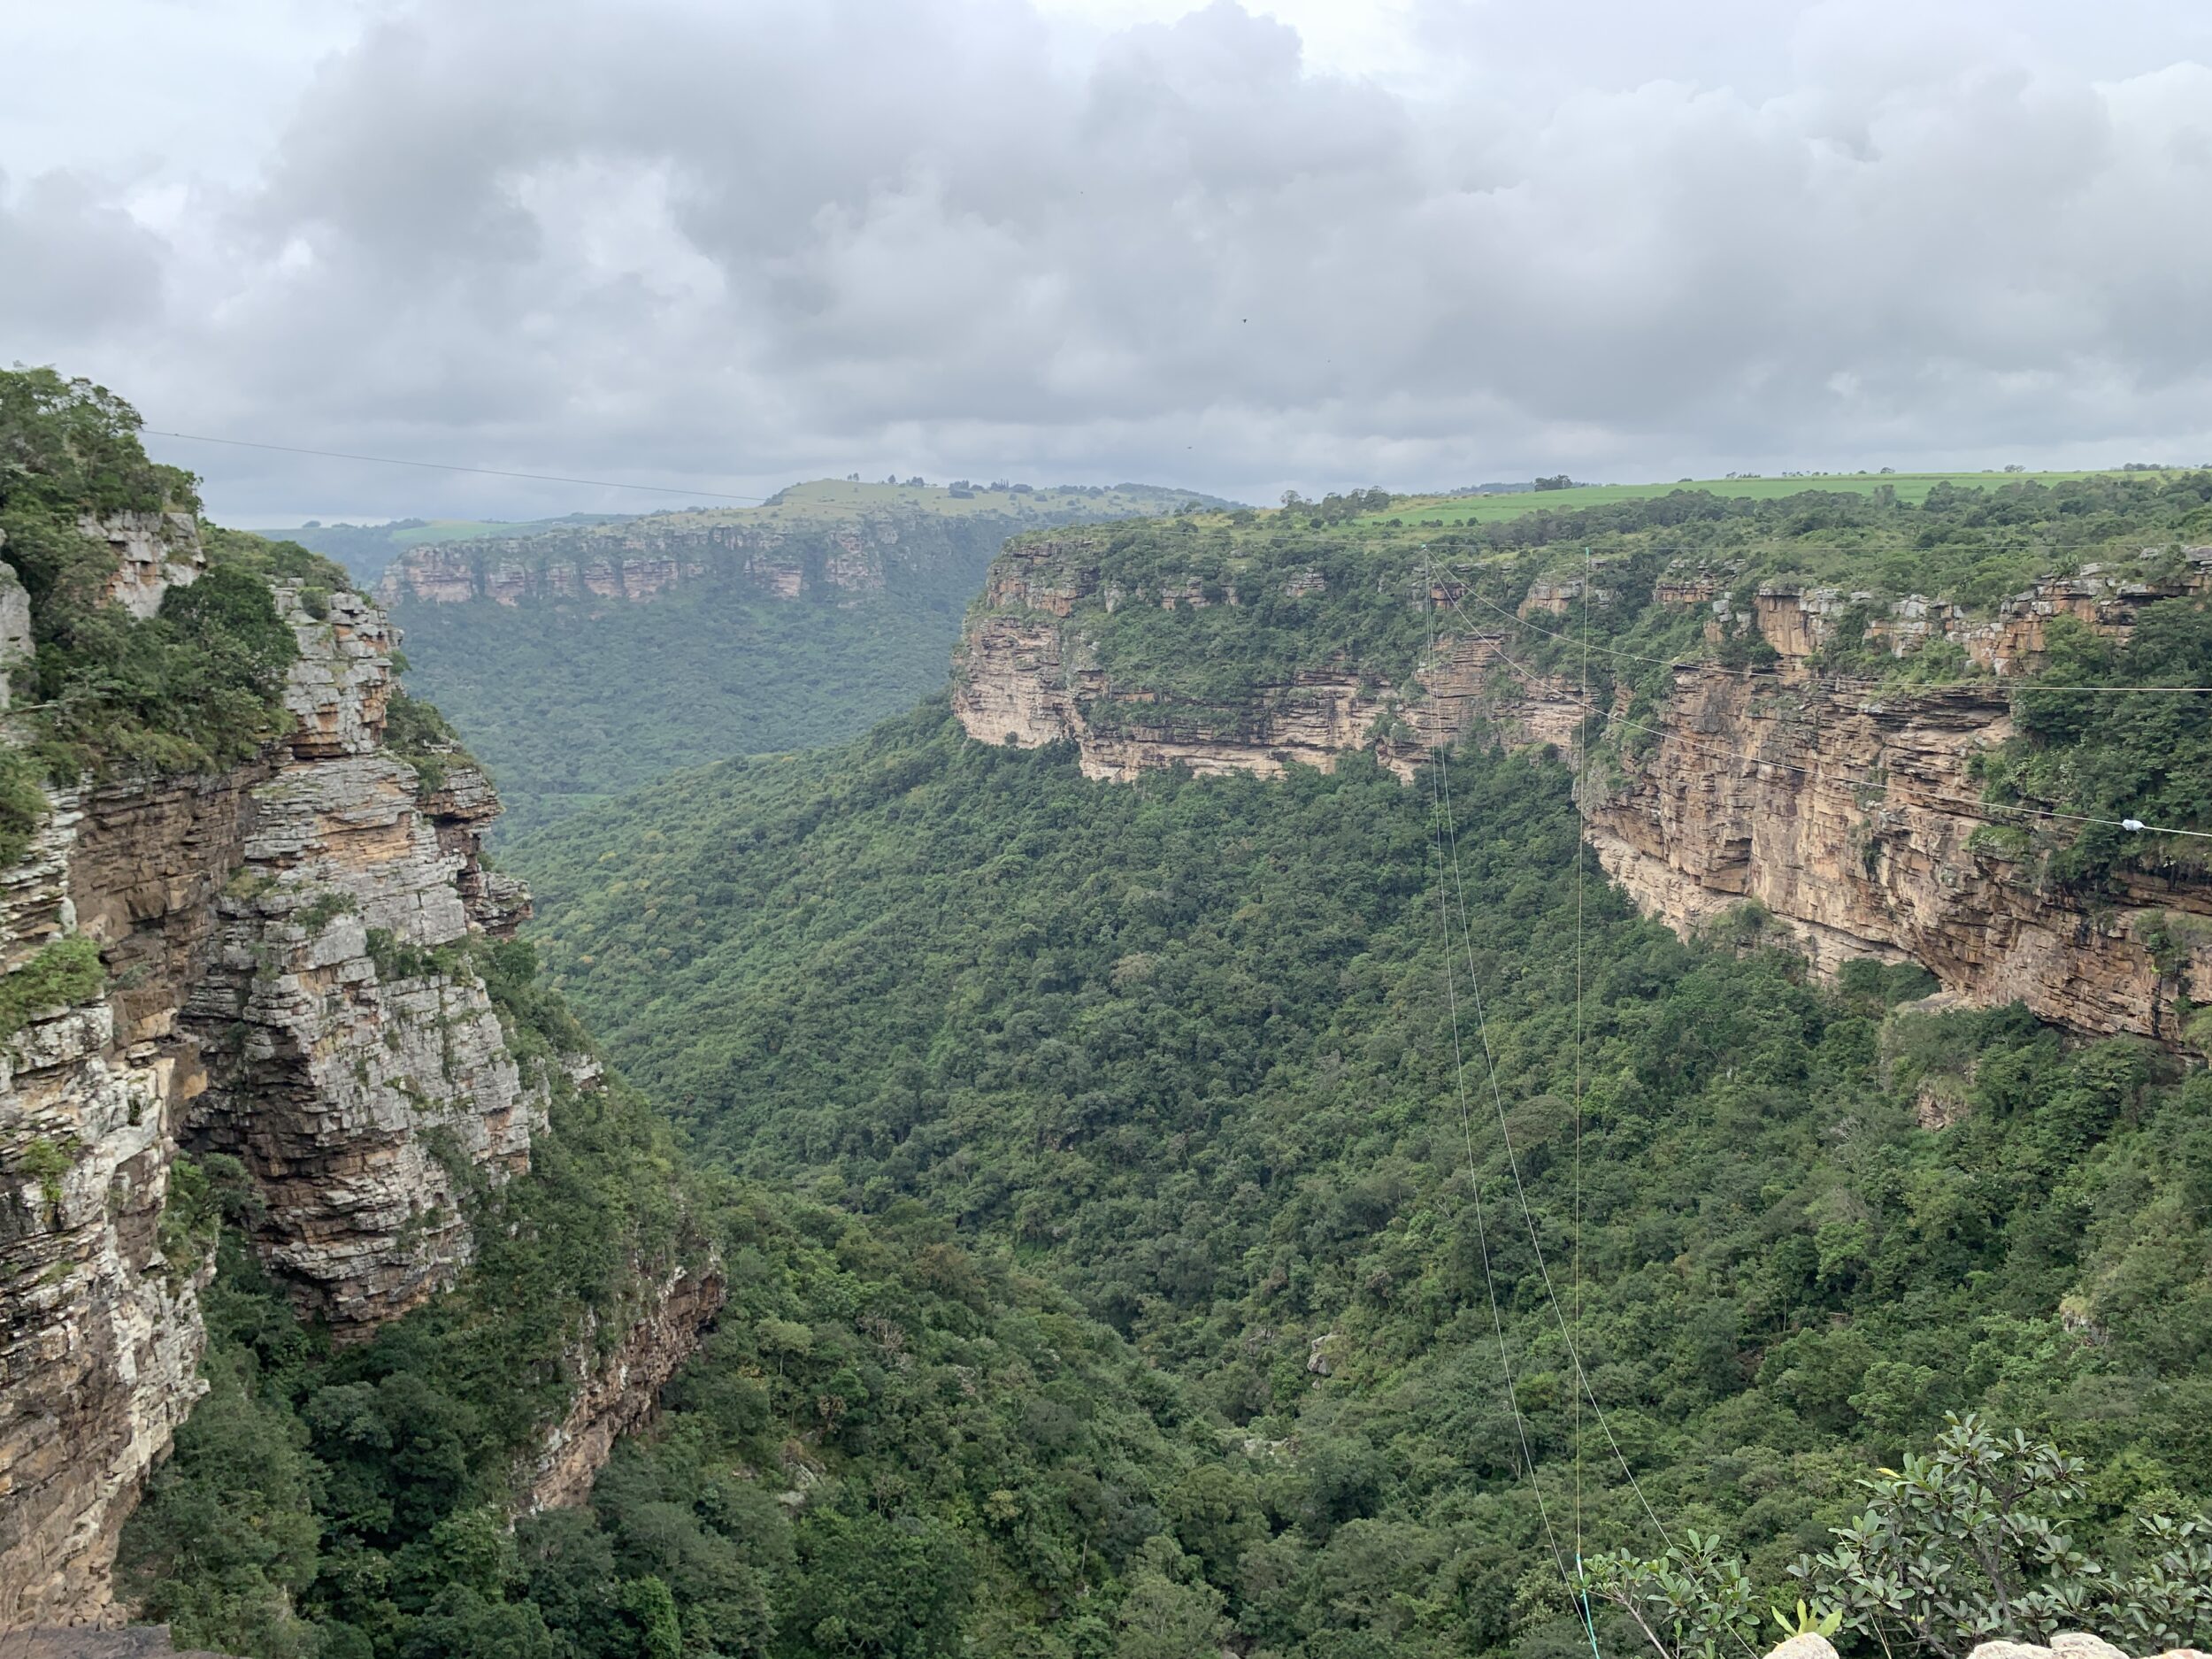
[2074, 1644]
[15, 629]
[355, 1064]
[154, 552]
[1805, 1645]
[621, 1390]
[100, 1331]
[286, 982]
[338, 688]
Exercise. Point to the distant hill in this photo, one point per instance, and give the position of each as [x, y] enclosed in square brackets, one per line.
[588, 656]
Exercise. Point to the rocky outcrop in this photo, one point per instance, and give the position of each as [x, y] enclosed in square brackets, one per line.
[1801, 622]
[1015, 685]
[15, 629]
[642, 559]
[1021, 676]
[100, 1333]
[619, 1390]
[153, 552]
[352, 1061]
[282, 983]
[1853, 819]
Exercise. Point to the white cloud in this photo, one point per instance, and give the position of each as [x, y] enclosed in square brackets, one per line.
[1405, 244]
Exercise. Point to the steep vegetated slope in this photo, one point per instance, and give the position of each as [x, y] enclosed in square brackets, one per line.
[334, 1267]
[1184, 1044]
[782, 626]
[260, 1006]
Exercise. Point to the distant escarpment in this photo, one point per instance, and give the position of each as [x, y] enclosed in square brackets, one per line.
[269, 966]
[838, 542]
[1780, 756]
[679, 639]
[1028, 673]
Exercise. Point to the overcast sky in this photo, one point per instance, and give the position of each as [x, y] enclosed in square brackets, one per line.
[1238, 247]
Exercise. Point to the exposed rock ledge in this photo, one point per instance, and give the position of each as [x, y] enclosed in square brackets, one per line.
[621, 1391]
[1014, 684]
[646, 558]
[282, 983]
[1851, 818]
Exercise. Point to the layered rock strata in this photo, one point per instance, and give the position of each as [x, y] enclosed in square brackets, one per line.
[1022, 676]
[100, 1332]
[1801, 622]
[643, 559]
[1855, 820]
[248, 1009]
[619, 1390]
[283, 980]
[153, 552]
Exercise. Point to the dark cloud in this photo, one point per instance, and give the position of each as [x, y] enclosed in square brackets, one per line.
[736, 245]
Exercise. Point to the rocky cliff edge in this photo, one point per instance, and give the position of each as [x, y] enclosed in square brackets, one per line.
[284, 979]
[1849, 814]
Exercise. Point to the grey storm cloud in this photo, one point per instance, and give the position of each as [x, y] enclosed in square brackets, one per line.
[731, 245]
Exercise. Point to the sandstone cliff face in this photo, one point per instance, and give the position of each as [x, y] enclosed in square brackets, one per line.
[1021, 676]
[1014, 684]
[645, 559]
[1853, 819]
[285, 984]
[1801, 622]
[1850, 817]
[620, 1390]
[154, 552]
[247, 1012]
[100, 1335]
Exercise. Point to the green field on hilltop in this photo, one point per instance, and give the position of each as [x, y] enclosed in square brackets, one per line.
[1911, 489]
[829, 499]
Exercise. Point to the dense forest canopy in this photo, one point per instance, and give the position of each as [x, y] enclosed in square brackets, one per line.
[1183, 1047]
[1258, 1213]
[573, 701]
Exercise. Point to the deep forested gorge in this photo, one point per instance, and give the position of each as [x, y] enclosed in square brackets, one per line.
[1116, 1220]
[751, 631]
[1182, 1046]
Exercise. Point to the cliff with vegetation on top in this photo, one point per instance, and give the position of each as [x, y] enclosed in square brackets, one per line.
[245, 928]
[1853, 759]
[769, 628]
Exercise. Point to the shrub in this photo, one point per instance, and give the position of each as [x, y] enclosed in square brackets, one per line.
[65, 972]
